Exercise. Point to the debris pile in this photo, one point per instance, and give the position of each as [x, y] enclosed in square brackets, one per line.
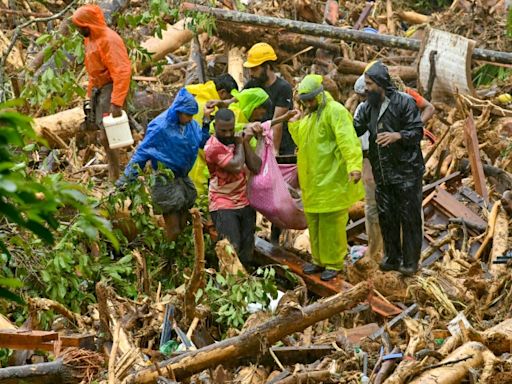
[450, 323]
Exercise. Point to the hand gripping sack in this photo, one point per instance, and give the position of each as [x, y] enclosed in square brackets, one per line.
[270, 193]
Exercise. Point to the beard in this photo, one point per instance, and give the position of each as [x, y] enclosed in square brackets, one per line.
[374, 98]
[261, 79]
[227, 140]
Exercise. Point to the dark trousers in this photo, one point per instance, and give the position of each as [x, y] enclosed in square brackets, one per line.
[238, 226]
[400, 221]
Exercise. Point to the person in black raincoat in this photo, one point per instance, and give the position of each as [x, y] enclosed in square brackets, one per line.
[394, 123]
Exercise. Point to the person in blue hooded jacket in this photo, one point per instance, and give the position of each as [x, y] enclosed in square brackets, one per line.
[172, 139]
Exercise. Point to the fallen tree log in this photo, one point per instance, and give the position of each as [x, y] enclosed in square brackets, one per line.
[455, 367]
[63, 124]
[43, 373]
[197, 279]
[355, 67]
[412, 17]
[173, 37]
[324, 30]
[74, 365]
[255, 340]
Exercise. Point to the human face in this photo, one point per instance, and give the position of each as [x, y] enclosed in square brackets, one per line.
[224, 95]
[184, 118]
[311, 105]
[258, 114]
[371, 86]
[374, 93]
[225, 131]
[259, 74]
[84, 31]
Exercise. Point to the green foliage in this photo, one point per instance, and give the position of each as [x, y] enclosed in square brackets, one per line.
[168, 259]
[57, 85]
[488, 73]
[29, 202]
[229, 295]
[201, 22]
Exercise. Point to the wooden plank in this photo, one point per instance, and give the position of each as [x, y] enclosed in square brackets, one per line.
[452, 177]
[408, 312]
[355, 229]
[453, 208]
[26, 339]
[356, 334]
[5, 323]
[267, 253]
[42, 340]
[477, 169]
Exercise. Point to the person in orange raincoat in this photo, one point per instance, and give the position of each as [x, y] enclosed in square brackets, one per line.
[109, 70]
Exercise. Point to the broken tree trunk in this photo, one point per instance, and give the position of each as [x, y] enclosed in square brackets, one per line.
[197, 72]
[412, 17]
[255, 339]
[455, 367]
[236, 65]
[64, 124]
[197, 279]
[44, 373]
[325, 30]
[355, 67]
[173, 37]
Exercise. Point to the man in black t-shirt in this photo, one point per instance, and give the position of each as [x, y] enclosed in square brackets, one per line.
[260, 60]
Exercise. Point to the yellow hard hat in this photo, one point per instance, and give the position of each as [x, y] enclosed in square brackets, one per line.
[258, 54]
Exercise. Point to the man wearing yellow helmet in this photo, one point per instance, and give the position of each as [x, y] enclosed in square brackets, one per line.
[260, 59]
[330, 160]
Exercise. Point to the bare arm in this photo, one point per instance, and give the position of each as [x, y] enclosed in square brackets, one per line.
[278, 127]
[236, 164]
[252, 160]
[286, 117]
[427, 112]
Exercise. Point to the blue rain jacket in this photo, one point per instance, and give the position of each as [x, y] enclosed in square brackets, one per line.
[170, 143]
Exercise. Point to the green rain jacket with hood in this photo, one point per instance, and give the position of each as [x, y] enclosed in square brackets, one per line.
[402, 161]
[246, 102]
[328, 150]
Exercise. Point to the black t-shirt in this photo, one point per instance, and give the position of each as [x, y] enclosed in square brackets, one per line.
[281, 95]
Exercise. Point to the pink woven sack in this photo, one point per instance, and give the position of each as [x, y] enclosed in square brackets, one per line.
[270, 194]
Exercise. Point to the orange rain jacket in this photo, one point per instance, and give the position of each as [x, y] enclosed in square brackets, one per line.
[106, 57]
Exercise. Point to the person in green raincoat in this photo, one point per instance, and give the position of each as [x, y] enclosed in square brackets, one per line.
[217, 89]
[251, 105]
[330, 161]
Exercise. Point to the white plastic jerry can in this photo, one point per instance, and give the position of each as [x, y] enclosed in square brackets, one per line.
[118, 131]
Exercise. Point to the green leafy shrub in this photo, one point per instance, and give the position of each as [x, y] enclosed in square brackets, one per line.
[228, 296]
